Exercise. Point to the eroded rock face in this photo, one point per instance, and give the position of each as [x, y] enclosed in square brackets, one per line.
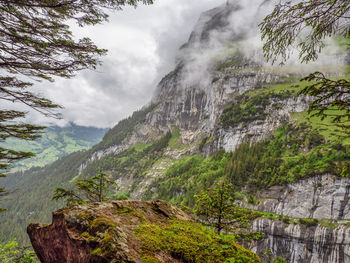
[99, 232]
[298, 243]
[319, 197]
[323, 198]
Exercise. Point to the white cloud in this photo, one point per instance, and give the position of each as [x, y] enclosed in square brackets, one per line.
[142, 44]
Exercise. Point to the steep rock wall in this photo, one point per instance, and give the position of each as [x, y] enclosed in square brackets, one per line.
[298, 243]
[326, 239]
[319, 197]
[193, 96]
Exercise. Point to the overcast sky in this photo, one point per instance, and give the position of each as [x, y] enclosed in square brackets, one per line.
[142, 44]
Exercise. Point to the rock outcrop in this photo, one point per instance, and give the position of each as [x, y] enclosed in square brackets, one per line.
[99, 232]
[315, 221]
[319, 197]
[131, 232]
[298, 243]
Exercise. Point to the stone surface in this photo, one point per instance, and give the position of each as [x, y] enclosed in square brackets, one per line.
[320, 197]
[323, 197]
[298, 243]
[99, 232]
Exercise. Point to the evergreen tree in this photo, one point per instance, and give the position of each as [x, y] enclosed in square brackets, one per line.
[36, 43]
[217, 210]
[94, 189]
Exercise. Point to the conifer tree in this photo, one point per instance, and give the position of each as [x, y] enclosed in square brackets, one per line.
[216, 209]
[36, 43]
[94, 189]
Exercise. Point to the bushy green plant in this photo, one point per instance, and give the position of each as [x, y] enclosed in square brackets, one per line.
[12, 253]
[279, 260]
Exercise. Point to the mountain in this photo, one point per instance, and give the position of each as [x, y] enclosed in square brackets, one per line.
[55, 143]
[223, 113]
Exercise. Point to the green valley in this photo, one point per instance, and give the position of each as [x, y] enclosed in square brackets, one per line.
[54, 143]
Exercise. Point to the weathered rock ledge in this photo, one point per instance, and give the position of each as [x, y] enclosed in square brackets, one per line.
[99, 232]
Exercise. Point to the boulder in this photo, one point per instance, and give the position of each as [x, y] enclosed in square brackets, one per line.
[99, 232]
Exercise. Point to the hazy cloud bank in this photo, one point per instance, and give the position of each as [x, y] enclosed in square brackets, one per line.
[142, 44]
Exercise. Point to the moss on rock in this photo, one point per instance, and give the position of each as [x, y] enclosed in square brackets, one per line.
[189, 242]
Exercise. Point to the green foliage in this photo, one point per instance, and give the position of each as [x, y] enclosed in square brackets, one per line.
[187, 177]
[135, 161]
[246, 109]
[101, 231]
[216, 209]
[234, 61]
[203, 143]
[308, 221]
[34, 190]
[20, 131]
[287, 23]
[12, 253]
[37, 44]
[330, 99]
[331, 225]
[94, 189]
[268, 258]
[190, 242]
[174, 142]
[279, 260]
[293, 153]
[325, 127]
[36, 185]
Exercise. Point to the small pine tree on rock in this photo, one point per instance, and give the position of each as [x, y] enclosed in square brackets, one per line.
[94, 189]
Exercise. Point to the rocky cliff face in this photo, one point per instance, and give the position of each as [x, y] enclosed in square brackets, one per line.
[319, 197]
[322, 235]
[298, 243]
[193, 98]
[213, 69]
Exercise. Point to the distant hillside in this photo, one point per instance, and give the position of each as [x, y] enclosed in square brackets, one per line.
[55, 143]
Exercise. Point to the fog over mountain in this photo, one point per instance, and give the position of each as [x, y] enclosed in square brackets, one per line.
[142, 44]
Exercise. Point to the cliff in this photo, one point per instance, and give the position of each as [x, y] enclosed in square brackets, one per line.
[312, 223]
[130, 231]
[304, 242]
